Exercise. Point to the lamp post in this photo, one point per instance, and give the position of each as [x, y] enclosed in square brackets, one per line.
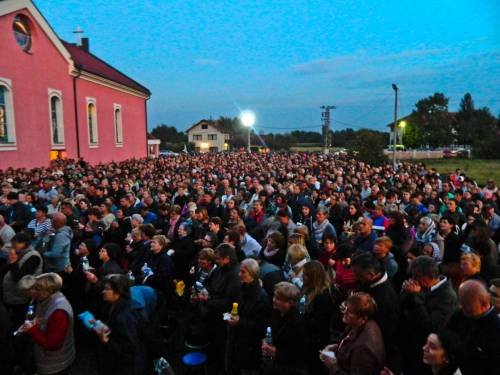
[394, 127]
[247, 119]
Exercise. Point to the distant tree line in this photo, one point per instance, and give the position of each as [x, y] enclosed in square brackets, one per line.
[430, 124]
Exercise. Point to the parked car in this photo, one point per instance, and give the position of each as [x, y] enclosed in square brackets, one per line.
[450, 154]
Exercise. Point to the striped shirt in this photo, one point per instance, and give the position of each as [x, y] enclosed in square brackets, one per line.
[40, 228]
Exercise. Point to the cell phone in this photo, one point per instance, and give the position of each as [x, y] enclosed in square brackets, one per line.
[328, 354]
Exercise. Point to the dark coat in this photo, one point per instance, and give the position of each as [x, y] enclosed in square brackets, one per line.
[422, 314]
[361, 352]
[290, 339]
[480, 342]
[223, 286]
[387, 314]
[318, 319]
[162, 267]
[246, 337]
[124, 354]
[184, 257]
[19, 215]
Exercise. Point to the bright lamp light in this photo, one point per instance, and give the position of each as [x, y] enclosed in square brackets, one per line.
[247, 118]
[402, 124]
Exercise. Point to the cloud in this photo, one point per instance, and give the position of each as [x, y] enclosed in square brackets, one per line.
[337, 63]
[206, 62]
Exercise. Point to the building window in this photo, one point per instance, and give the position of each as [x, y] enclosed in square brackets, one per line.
[204, 126]
[56, 118]
[118, 124]
[212, 137]
[22, 32]
[92, 122]
[214, 149]
[7, 128]
[196, 137]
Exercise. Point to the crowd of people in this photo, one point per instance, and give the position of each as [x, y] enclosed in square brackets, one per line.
[284, 263]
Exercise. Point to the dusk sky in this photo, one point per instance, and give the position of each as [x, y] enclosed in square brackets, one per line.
[284, 59]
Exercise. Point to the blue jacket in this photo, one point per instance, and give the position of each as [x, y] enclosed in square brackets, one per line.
[57, 256]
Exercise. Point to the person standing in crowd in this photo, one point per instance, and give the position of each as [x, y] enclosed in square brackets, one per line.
[365, 240]
[440, 353]
[57, 255]
[161, 266]
[322, 226]
[477, 325]
[452, 253]
[52, 329]
[121, 350]
[320, 312]
[40, 227]
[23, 262]
[19, 214]
[427, 302]
[382, 251]
[248, 327]
[286, 354]
[373, 279]
[361, 350]
[184, 252]
[6, 233]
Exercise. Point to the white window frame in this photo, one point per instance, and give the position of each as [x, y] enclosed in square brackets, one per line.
[11, 124]
[197, 137]
[212, 137]
[60, 123]
[118, 125]
[94, 123]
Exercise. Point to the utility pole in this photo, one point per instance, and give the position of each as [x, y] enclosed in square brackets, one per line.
[325, 118]
[395, 125]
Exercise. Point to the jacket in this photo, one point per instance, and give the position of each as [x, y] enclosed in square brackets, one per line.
[361, 352]
[479, 341]
[246, 337]
[57, 256]
[423, 313]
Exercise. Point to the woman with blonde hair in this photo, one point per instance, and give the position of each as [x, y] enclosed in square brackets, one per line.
[248, 327]
[52, 329]
[470, 267]
[161, 266]
[297, 257]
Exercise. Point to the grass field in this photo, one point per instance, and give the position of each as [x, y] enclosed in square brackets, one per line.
[479, 170]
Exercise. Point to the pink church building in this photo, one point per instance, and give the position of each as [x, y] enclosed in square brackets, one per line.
[57, 99]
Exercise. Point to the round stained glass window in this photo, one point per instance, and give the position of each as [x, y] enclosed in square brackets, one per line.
[22, 32]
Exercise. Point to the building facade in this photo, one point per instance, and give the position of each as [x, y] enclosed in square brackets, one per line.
[57, 99]
[207, 136]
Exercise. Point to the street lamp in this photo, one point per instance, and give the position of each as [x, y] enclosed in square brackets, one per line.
[402, 125]
[395, 88]
[247, 119]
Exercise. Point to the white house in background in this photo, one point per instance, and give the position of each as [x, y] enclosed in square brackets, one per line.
[207, 136]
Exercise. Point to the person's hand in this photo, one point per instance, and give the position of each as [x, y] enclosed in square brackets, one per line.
[331, 262]
[81, 226]
[114, 224]
[202, 297]
[386, 371]
[411, 286]
[128, 249]
[91, 278]
[103, 333]
[268, 350]
[68, 269]
[13, 257]
[330, 362]
[233, 320]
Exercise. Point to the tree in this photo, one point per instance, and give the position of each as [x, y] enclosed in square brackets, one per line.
[168, 135]
[473, 124]
[369, 145]
[434, 121]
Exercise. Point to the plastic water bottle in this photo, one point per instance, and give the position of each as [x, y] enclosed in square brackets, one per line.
[146, 271]
[30, 314]
[302, 305]
[269, 341]
[131, 277]
[85, 264]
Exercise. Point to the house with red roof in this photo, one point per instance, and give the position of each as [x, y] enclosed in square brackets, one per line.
[58, 99]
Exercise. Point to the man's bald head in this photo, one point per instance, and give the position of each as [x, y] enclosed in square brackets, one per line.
[58, 220]
[474, 298]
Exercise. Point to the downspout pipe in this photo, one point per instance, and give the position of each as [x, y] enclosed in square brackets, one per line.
[75, 104]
